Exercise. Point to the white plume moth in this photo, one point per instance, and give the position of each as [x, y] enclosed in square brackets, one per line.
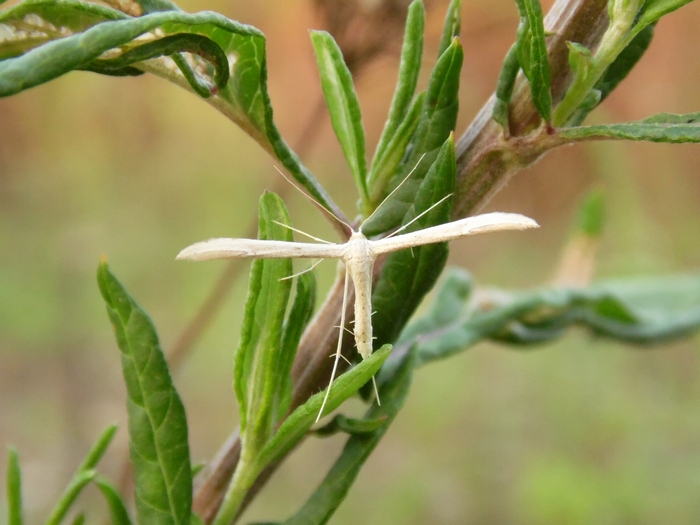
[358, 254]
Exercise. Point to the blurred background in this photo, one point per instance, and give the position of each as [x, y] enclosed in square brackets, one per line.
[581, 431]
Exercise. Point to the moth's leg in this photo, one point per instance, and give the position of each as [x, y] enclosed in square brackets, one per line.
[340, 343]
[314, 265]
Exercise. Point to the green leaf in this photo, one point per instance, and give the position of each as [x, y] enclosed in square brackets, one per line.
[301, 420]
[343, 106]
[636, 310]
[297, 320]
[14, 489]
[157, 421]
[79, 520]
[653, 10]
[292, 430]
[408, 275]
[664, 127]
[504, 88]
[340, 423]
[117, 509]
[399, 114]
[257, 374]
[625, 61]
[446, 309]
[579, 59]
[437, 121]
[170, 46]
[77, 51]
[98, 449]
[73, 490]
[393, 389]
[614, 74]
[151, 6]
[84, 475]
[532, 55]
[592, 215]
[452, 26]
[386, 167]
[66, 35]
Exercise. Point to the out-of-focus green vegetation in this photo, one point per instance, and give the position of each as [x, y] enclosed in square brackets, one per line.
[578, 432]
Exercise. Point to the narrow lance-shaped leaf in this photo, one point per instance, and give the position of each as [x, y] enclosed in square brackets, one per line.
[591, 217]
[298, 423]
[653, 10]
[83, 476]
[294, 326]
[664, 127]
[73, 490]
[614, 74]
[504, 88]
[532, 54]
[407, 275]
[393, 390]
[117, 509]
[452, 26]
[157, 421]
[14, 489]
[256, 373]
[343, 106]
[437, 121]
[411, 54]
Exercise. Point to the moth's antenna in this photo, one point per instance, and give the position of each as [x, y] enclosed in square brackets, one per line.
[340, 345]
[341, 221]
[301, 232]
[419, 216]
[393, 191]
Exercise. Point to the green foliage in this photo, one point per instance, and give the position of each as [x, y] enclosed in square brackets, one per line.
[452, 26]
[117, 508]
[294, 428]
[48, 53]
[403, 114]
[393, 386]
[225, 63]
[343, 105]
[256, 375]
[299, 316]
[437, 120]
[637, 310]
[532, 55]
[664, 127]
[653, 10]
[591, 217]
[83, 476]
[504, 87]
[349, 425]
[14, 489]
[157, 423]
[408, 275]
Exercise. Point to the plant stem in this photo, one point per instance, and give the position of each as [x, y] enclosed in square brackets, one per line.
[485, 163]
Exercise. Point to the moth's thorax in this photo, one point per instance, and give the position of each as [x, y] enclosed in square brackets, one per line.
[358, 249]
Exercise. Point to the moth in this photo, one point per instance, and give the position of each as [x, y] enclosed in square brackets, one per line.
[358, 254]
